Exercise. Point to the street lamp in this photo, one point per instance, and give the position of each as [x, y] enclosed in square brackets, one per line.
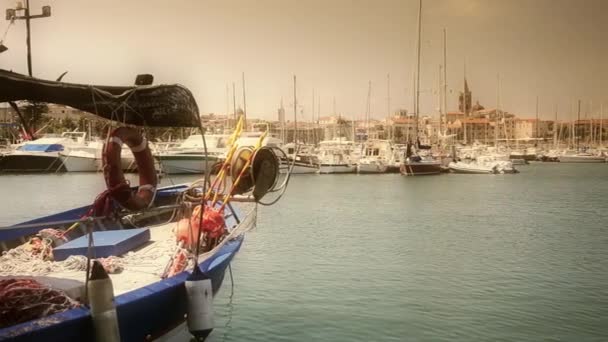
[23, 13]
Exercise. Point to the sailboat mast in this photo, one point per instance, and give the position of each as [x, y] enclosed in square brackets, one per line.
[417, 84]
[555, 129]
[295, 112]
[496, 129]
[368, 109]
[464, 103]
[577, 122]
[445, 81]
[388, 107]
[601, 121]
[313, 115]
[244, 103]
[234, 103]
[537, 122]
[227, 107]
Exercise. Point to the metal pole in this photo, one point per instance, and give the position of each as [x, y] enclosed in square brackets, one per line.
[417, 104]
[234, 104]
[537, 122]
[27, 39]
[244, 104]
[388, 107]
[577, 124]
[445, 79]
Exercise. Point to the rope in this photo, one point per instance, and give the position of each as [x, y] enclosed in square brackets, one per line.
[7, 29]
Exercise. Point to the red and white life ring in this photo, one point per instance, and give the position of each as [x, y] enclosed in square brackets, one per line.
[112, 169]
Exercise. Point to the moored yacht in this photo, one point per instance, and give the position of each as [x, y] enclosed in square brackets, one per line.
[419, 163]
[580, 157]
[376, 158]
[189, 156]
[41, 155]
[335, 156]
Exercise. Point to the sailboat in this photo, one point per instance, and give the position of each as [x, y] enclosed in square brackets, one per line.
[418, 159]
[139, 263]
[580, 156]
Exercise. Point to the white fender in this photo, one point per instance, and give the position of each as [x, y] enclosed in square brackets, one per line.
[200, 305]
[101, 302]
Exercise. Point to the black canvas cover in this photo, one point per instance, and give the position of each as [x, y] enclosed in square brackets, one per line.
[150, 105]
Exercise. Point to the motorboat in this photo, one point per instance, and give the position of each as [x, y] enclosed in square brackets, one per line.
[377, 156]
[189, 156]
[483, 165]
[335, 156]
[580, 157]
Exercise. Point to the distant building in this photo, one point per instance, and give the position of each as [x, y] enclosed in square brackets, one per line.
[465, 99]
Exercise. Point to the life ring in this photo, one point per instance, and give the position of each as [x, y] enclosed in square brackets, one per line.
[118, 187]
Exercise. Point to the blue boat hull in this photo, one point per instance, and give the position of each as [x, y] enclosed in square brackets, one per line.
[143, 314]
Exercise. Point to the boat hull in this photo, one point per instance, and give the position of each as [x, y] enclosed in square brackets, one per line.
[304, 169]
[184, 163]
[581, 159]
[420, 168]
[42, 162]
[471, 170]
[336, 168]
[526, 157]
[75, 163]
[147, 313]
[371, 168]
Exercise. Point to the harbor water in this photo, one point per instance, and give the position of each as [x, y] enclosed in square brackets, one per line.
[391, 258]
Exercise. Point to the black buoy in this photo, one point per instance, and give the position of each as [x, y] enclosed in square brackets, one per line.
[200, 304]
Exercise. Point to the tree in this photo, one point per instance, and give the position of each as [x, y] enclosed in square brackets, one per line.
[34, 114]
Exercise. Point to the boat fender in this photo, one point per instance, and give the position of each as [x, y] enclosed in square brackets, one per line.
[113, 174]
[200, 304]
[101, 303]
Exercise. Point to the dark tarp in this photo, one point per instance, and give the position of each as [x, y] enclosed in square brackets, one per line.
[152, 106]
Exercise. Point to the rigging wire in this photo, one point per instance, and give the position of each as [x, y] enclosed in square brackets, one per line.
[8, 27]
[205, 182]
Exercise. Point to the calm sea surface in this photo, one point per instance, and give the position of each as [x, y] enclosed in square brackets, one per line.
[390, 258]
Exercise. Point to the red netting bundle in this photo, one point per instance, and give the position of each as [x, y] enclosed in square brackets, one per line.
[213, 221]
[22, 300]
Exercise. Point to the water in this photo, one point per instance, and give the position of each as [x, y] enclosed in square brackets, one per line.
[390, 258]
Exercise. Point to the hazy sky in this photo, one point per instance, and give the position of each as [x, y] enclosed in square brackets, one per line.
[556, 49]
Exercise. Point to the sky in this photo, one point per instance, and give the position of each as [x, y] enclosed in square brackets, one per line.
[553, 49]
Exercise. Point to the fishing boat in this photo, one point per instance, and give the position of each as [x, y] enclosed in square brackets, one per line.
[139, 263]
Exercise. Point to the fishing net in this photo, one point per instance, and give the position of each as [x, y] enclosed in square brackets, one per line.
[22, 300]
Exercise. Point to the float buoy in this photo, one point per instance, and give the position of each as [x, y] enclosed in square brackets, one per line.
[200, 304]
[115, 180]
[101, 302]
